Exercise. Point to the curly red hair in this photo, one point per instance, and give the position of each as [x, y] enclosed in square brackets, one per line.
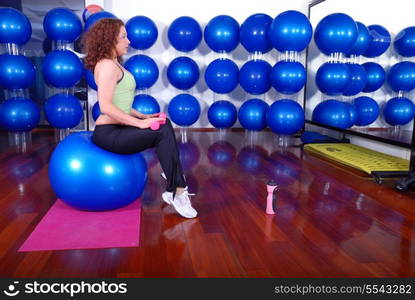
[100, 40]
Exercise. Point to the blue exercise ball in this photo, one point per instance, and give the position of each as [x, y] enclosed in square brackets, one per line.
[144, 70]
[96, 111]
[184, 34]
[183, 73]
[16, 71]
[352, 113]
[184, 109]
[63, 111]
[222, 114]
[357, 80]
[90, 80]
[221, 154]
[362, 41]
[90, 178]
[19, 114]
[97, 16]
[367, 110]
[221, 75]
[142, 32]
[61, 24]
[253, 114]
[62, 68]
[401, 77]
[333, 78]
[404, 42]
[15, 27]
[253, 33]
[146, 104]
[285, 117]
[254, 77]
[398, 111]
[288, 77]
[290, 31]
[379, 41]
[336, 33]
[375, 76]
[222, 33]
[333, 113]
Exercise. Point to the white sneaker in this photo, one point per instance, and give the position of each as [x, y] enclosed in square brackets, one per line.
[181, 203]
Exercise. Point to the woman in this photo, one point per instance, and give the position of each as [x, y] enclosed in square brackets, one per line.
[122, 129]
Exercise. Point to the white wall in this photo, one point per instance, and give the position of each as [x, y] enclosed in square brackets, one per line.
[164, 12]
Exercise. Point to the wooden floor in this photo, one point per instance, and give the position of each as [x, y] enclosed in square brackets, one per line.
[331, 221]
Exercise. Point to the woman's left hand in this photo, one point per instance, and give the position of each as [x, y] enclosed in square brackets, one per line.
[151, 116]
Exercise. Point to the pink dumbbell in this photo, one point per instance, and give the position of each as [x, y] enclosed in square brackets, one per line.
[155, 125]
[164, 116]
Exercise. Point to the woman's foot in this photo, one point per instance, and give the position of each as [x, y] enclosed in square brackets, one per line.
[181, 203]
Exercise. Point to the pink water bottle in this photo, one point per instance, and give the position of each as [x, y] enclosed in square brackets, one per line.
[271, 199]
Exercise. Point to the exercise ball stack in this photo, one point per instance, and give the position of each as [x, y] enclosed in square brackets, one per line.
[17, 73]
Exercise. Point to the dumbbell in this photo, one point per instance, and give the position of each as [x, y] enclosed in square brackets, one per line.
[156, 125]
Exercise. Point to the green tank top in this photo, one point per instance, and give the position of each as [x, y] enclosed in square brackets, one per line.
[124, 92]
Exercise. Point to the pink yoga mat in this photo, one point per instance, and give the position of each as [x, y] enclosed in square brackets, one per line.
[64, 227]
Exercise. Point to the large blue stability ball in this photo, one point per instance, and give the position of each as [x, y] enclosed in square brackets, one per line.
[142, 32]
[63, 111]
[352, 114]
[253, 114]
[333, 113]
[357, 80]
[285, 117]
[16, 71]
[62, 68]
[184, 34]
[96, 111]
[221, 76]
[61, 24]
[254, 77]
[404, 42]
[90, 80]
[362, 41]
[222, 33]
[290, 31]
[146, 104]
[401, 77]
[253, 33]
[15, 27]
[222, 114]
[379, 41]
[90, 178]
[19, 114]
[97, 16]
[288, 77]
[367, 110]
[375, 76]
[398, 111]
[336, 33]
[333, 78]
[183, 73]
[184, 109]
[144, 70]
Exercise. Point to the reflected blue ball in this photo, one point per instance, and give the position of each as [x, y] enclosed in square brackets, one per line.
[15, 27]
[222, 114]
[379, 41]
[221, 76]
[375, 76]
[333, 113]
[362, 41]
[254, 77]
[290, 31]
[96, 111]
[189, 154]
[97, 16]
[63, 111]
[253, 114]
[285, 117]
[401, 77]
[221, 154]
[184, 110]
[62, 68]
[336, 33]
[357, 80]
[184, 34]
[333, 78]
[398, 111]
[222, 33]
[142, 32]
[404, 42]
[254, 33]
[183, 73]
[19, 114]
[62, 24]
[16, 71]
[146, 104]
[288, 77]
[144, 70]
[367, 110]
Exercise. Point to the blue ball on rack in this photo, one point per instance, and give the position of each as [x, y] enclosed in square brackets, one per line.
[379, 41]
[62, 68]
[285, 117]
[398, 111]
[404, 42]
[16, 71]
[184, 109]
[254, 77]
[253, 33]
[146, 104]
[144, 69]
[221, 76]
[61, 24]
[15, 27]
[253, 114]
[63, 111]
[222, 33]
[367, 110]
[183, 73]
[142, 32]
[288, 77]
[222, 114]
[184, 34]
[333, 78]
[19, 114]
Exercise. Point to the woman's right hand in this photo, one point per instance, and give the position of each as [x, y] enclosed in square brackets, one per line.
[146, 123]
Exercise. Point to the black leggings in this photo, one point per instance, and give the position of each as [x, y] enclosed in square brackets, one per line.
[124, 139]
